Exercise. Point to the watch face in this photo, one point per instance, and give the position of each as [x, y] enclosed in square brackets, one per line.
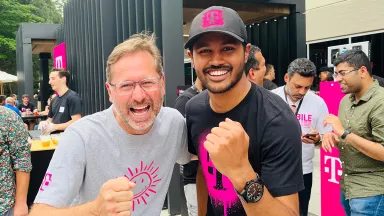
[254, 192]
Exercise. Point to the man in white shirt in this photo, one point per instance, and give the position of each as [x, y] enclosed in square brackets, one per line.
[310, 110]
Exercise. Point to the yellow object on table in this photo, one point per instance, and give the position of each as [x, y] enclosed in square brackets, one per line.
[37, 145]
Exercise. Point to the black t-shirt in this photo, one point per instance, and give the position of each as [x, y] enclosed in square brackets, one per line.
[268, 84]
[65, 106]
[274, 150]
[24, 108]
[189, 169]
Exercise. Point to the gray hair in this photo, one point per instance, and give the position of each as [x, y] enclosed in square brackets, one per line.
[355, 59]
[302, 66]
[252, 61]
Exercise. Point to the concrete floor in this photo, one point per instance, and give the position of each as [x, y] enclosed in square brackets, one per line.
[314, 204]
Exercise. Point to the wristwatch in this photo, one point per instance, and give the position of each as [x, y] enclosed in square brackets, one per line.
[345, 134]
[253, 191]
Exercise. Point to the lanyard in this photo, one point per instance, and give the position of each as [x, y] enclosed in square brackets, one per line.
[298, 108]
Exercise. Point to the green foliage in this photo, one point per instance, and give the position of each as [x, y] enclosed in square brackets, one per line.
[15, 12]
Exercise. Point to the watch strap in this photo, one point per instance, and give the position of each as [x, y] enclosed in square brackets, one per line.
[345, 134]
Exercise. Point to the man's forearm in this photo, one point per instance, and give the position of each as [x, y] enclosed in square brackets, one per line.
[369, 148]
[87, 209]
[22, 184]
[267, 205]
[202, 193]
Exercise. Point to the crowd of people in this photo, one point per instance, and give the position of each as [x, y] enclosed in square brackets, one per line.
[246, 145]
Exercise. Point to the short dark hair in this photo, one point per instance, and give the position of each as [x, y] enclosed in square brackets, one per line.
[354, 58]
[252, 62]
[25, 95]
[269, 68]
[325, 68]
[302, 66]
[2, 98]
[63, 73]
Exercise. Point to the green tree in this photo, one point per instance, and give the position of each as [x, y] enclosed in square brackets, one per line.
[12, 13]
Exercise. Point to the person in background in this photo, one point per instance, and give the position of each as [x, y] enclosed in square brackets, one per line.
[190, 169]
[358, 133]
[27, 108]
[2, 100]
[269, 77]
[14, 96]
[66, 108]
[10, 104]
[310, 111]
[46, 110]
[255, 66]
[379, 79]
[15, 164]
[326, 74]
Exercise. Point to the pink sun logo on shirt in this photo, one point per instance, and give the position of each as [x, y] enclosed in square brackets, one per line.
[146, 179]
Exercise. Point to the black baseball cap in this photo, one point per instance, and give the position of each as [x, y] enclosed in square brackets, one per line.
[217, 19]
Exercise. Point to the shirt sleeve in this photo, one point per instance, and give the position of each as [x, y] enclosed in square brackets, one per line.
[320, 121]
[64, 176]
[184, 155]
[281, 162]
[191, 147]
[19, 147]
[377, 123]
[74, 105]
[181, 101]
[50, 113]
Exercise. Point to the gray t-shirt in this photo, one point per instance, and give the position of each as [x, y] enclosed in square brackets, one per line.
[96, 149]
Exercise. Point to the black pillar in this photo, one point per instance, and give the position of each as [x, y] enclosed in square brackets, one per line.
[44, 79]
[173, 55]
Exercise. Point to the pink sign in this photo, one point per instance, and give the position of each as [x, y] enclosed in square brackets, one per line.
[60, 56]
[330, 165]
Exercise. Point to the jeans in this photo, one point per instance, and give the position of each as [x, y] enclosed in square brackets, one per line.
[367, 206]
[305, 195]
[9, 212]
[191, 197]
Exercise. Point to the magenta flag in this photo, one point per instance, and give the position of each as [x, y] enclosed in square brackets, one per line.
[60, 56]
[330, 165]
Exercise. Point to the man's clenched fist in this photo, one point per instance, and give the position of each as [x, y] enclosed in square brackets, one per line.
[115, 198]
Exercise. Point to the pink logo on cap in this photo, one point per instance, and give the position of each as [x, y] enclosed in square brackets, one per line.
[212, 18]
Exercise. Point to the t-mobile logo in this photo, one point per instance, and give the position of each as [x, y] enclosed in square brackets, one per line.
[46, 181]
[333, 169]
[59, 62]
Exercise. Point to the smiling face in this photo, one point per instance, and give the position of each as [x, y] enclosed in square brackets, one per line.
[219, 61]
[350, 81]
[138, 109]
[56, 81]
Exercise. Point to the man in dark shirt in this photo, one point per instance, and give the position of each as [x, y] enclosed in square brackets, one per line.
[269, 77]
[190, 169]
[65, 109]
[247, 139]
[27, 108]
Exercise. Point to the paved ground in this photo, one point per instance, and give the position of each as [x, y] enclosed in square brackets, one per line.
[314, 204]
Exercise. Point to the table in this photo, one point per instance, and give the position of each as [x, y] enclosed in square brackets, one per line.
[41, 157]
[32, 117]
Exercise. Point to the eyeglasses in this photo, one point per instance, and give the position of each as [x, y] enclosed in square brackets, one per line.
[343, 73]
[127, 87]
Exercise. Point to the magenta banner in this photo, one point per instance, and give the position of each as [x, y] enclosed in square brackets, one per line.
[60, 56]
[330, 165]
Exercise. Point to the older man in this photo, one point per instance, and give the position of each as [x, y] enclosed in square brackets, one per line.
[11, 104]
[119, 161]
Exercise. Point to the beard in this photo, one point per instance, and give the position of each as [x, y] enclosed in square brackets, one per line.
[212, 87]
[143, 124]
